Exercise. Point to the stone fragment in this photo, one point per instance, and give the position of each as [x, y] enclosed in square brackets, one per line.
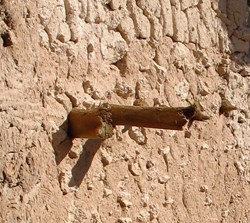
[206, 62]
[164, 151]
[171, 133]
[134, 169]
[182, 89]
[153, 211]
[97, 95]
[152, 175]
[156, 28]
[208, 201]
[64, 34]
[203, 89]
[141, 24]
[121, 184]
[226, 106]
[145, 200]
[113, 47]
[63, 100]
[223, 69]
[204, 146]
[107, 192]
[89, 102]
[223, 41]
[240, 168]
[89, 89]
[90, 186]
[241, 119]
[179, 52]
[163, 179]
[123, 90]
[225, 213]
[75, 100]
[106, 158]
[44, 38]
[144, 216]
[124, 200]
[169, 201]
[204, 188]
[118, 134]
[60, 135]
[141, 91]
[138, 135]
[126, 27]
[199, 69]
[64, 177]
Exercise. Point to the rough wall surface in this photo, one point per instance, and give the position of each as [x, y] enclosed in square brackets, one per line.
[60, 54]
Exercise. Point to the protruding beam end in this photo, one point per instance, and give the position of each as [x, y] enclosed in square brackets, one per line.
[88, 124]
[99, 122]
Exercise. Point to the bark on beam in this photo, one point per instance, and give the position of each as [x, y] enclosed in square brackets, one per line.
[98, 123]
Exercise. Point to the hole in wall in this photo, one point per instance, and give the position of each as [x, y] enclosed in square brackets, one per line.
[122, 65]
[6, 39]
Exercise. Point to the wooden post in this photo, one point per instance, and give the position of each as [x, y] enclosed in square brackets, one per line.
[98, 123]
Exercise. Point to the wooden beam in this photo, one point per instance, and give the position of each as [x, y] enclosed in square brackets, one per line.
[98, 123]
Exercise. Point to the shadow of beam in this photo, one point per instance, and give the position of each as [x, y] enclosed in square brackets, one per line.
[61, 143]
[84, 162]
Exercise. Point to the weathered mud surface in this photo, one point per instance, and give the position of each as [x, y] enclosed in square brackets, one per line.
[60, 54]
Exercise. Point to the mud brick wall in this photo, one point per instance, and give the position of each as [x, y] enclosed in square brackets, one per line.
[59, 54]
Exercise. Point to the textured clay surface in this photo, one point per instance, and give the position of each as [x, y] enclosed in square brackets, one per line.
[56, 55]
